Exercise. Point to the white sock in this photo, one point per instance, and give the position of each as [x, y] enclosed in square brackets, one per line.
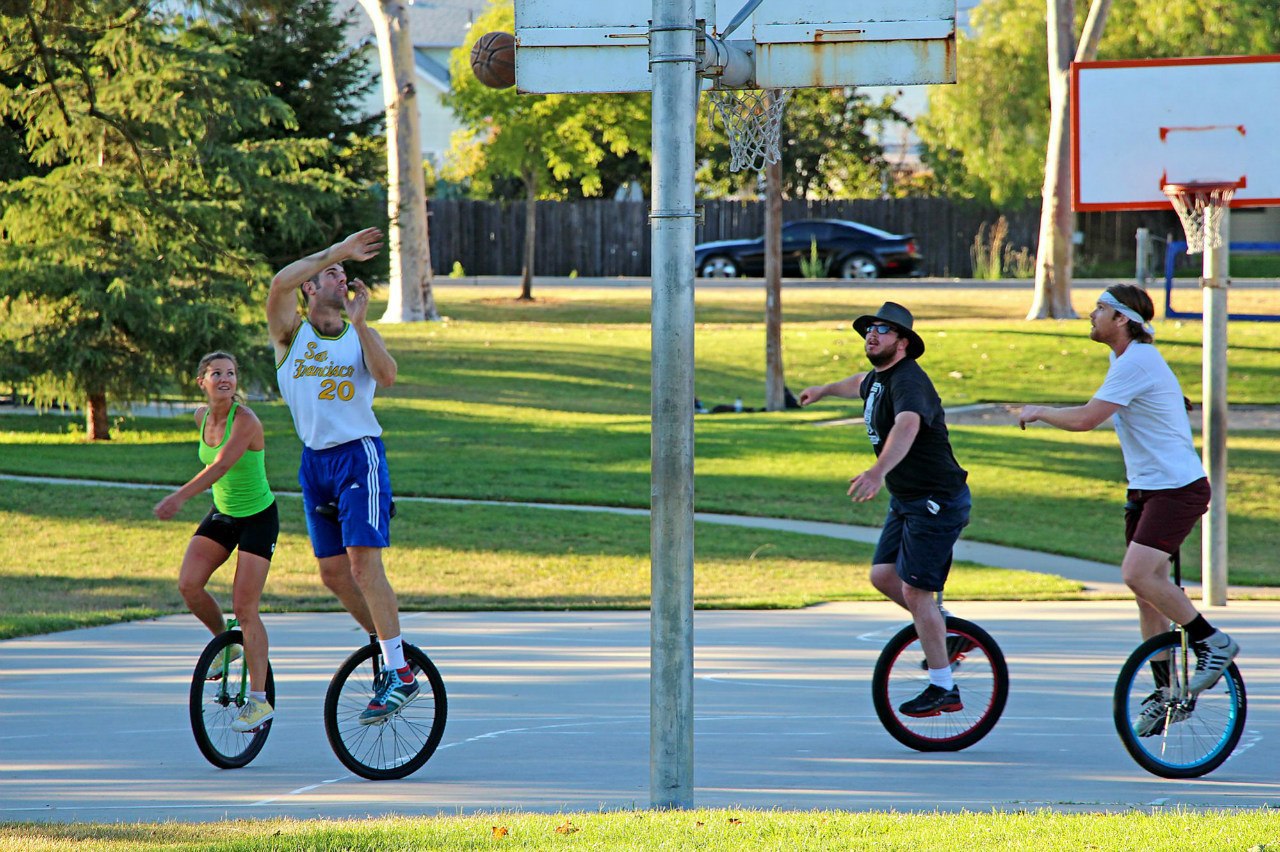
[942, 677]
[392, 652]
[260, 697]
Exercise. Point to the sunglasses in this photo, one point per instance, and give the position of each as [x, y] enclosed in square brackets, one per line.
[882, 328]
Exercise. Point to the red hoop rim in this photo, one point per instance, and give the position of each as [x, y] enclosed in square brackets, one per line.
[1194, 188]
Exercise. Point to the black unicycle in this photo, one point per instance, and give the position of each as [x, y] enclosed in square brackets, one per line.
[399, 744]
[979, 669]
[1166, 729]
[219, 688]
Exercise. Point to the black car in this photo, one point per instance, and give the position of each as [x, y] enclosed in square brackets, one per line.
[845, 250]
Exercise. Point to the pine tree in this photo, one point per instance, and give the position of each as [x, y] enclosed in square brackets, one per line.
[133, 255]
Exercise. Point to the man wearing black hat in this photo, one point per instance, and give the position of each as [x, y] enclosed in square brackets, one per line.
[928, 498]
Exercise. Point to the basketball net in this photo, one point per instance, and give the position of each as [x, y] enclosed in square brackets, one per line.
[1200, 207]
[752, 120]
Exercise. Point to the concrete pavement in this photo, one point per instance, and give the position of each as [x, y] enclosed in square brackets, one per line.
[549, 711]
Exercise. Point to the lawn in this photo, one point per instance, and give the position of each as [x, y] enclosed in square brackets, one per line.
[549, 402]
[708, 830]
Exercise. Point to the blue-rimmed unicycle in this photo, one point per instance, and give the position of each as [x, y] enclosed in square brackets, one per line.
[1166, 729]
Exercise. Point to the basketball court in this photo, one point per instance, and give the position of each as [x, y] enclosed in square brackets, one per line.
[550, 712]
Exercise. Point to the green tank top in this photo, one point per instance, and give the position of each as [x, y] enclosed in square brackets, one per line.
[243, 490]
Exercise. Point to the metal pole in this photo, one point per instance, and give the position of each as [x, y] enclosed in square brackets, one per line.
[1213, 545]
[673, 62]
[1142, 271]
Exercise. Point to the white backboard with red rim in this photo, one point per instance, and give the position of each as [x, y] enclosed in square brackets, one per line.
[586, 46]
[1139, 124]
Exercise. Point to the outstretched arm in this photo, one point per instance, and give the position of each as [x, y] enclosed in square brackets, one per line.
[246, 432]
[282, 312]
[1079, 418]
[846, 388]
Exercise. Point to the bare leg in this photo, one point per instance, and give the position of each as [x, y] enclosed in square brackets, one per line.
[885, 578]
[203, 557]
[930, 625]
[371, 577]
[336, 573]
[1146, 571]
[246, 593]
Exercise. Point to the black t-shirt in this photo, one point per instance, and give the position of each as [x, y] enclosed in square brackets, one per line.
[930, 468]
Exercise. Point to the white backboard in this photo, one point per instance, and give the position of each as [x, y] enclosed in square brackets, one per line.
[602, 45]
[1136, 125]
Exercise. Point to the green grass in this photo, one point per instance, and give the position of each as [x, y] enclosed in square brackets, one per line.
[710, 830]
[104, 558]
[550, 402]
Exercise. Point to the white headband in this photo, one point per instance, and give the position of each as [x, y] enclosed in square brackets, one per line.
[1125, 311]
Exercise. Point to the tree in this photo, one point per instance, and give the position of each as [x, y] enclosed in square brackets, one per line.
[1057, 224]
[409, 248]
[131, 258]
[299, 51]
[547, 142]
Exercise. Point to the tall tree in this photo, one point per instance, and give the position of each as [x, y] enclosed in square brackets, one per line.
[409, 249]
[1052, 298]
[130, 258]
[548, 142]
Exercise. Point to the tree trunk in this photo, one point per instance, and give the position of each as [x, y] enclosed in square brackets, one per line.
[95, 417]
[530, 234]
[411, 298]
[1053, 254]
[774, 381]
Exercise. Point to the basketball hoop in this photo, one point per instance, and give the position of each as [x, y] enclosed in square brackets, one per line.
[1200, 206]
[753, 122]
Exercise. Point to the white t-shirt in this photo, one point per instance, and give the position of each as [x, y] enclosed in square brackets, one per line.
[1152, 425]
[328, 388]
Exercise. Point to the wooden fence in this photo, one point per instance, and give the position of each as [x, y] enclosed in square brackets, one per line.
[612, 238]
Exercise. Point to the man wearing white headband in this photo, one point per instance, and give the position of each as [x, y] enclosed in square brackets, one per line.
[1168, 489]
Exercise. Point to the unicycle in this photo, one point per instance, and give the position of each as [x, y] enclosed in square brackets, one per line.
[398, 745]
[979, 669]
[219, 688]
[1166, 729]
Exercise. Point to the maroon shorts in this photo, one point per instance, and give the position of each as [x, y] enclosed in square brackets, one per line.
[1163, 519]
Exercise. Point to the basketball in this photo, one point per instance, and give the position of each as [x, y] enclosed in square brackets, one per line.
[493, 59]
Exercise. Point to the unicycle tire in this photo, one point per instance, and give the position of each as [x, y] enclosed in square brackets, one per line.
[980, 672]
[398, 746]
[214, 705]
[1196, 736]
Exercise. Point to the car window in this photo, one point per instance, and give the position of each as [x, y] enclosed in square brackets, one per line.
[869, 230]
[806, 231]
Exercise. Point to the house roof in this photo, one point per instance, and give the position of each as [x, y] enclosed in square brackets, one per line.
[432, 23]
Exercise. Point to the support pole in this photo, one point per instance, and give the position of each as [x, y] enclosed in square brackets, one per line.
[673, 62]
[1213, 545]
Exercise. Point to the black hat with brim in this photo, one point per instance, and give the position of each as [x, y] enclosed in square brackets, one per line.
[900, 318]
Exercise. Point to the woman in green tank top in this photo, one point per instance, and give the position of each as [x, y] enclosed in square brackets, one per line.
[243, 517]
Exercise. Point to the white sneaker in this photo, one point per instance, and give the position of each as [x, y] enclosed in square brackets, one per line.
[252, 716]
[1156, 714]
[1213, 655]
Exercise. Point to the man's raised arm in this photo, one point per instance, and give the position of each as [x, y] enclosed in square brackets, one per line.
[282, 313]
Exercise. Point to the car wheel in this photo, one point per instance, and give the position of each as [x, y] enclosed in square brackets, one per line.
[859, 266]
[719, 266]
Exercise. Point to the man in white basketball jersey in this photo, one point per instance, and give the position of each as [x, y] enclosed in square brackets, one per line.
[328, 364]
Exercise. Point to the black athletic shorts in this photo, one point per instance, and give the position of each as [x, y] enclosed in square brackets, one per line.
[918, 537]
[254, 534]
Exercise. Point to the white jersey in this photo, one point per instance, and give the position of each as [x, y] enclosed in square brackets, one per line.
[328, 387]
[1152, 425]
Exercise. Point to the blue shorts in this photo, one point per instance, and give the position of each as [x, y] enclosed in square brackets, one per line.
[918, 540]
[354, 475]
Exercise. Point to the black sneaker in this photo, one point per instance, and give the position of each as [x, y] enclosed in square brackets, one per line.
[932, 702]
